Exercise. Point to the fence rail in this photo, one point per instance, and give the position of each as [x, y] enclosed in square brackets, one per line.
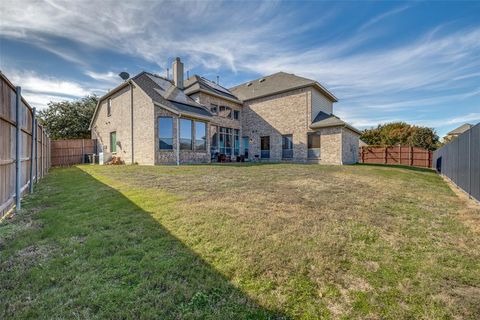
[18, 127]
[401, 155]
[459, 160]
[73, 151]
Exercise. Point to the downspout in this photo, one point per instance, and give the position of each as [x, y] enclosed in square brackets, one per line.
[178, 139]
[131, 119]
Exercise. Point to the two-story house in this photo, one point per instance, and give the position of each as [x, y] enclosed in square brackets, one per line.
[149, 119]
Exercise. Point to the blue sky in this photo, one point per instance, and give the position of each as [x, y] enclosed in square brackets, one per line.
[386, 61]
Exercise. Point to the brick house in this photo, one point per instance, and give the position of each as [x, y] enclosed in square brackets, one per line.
[152, 120]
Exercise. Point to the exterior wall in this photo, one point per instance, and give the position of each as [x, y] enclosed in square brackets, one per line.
[330, 145]
[185, 156]
[350, 142]
[119, 121]
[143, 128]
[320, 103]
[274, 116]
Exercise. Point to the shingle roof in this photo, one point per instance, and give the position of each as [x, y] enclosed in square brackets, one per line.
[196, 83]
[164, 92]
[276, 83]
[461, 129]
[325, 120]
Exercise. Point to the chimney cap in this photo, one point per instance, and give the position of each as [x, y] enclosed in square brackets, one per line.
[177, 59]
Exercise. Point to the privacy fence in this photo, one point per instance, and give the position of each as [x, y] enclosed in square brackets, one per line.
[459, 160]
[72, 151]
[24, 147]
[401, 155]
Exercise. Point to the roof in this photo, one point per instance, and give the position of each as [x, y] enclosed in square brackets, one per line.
[461, 129]
[197, 83]
[325, 120]
[165, 93]
[276, 83]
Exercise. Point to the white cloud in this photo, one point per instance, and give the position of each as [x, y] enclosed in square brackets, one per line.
[107, 76]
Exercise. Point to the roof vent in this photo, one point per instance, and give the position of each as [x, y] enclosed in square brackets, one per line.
[261, 80]
[249, 84]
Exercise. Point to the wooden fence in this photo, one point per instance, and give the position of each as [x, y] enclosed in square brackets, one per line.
[70, 152]
[402, 155]
[17, 172]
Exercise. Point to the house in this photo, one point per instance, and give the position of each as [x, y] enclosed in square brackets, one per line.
[149, 119]
[457, 131]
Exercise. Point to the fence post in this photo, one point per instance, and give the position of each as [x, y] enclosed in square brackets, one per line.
[385, 159]
[18, 172]
[411, 156]
[36, 151]
[32, 150]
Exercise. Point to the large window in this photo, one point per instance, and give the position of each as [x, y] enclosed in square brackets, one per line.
[113, 142]
[225, 141]
[313, 145]
[214, 142]
[236, 142]
[287, 146]
[165, 133]
[200, 136]
[186, 134]
[265, 147]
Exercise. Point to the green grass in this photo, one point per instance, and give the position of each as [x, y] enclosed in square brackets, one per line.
[241, 242]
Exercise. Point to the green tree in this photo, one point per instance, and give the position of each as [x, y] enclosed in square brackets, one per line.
[401, 133]
[69, 119]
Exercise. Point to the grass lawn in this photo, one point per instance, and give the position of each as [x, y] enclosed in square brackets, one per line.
[241, 242]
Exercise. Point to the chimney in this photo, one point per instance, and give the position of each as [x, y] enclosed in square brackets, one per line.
[178, 73]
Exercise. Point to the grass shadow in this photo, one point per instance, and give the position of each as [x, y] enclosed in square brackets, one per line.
[396, 166]
[93, 253]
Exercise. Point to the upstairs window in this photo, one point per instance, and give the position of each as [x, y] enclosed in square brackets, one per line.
[236, 114]
[186, 134]
[225, 112]
[109, 107]
[214, 108]
[165, 133]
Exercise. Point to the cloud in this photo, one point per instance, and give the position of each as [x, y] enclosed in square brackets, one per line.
[383, 16]
[109, 76]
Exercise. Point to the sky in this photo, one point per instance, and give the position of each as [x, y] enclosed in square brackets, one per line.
[417, 62]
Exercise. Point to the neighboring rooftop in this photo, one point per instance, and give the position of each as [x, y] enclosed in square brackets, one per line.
[275, 83]
[460, 130]
[197, 83]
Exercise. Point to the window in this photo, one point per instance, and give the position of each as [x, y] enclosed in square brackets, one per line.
[313, 145]
[245, 146]
[109, 107]
[113, 142]
[225, 141]
[214, 108]
[165, 133]
[214, 140]
[225, 112]
[236, 114]
[236, 142]
[287, 146]
[186, 134]
[265, 147]
[200, 136]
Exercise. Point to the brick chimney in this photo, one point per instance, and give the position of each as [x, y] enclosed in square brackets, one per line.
[177, 67]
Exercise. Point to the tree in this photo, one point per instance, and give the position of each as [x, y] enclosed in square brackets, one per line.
[401, 133]
[69, 119]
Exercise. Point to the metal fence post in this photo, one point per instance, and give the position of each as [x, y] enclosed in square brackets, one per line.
[18, 168]
[32, 149]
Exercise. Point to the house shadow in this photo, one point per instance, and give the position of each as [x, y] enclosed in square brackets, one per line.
[125, 264]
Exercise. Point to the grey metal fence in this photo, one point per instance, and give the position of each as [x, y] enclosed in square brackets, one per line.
[459, 160]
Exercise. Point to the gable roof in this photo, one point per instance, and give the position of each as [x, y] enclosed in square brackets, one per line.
[325, 120]
[276, 83]
[163, 93]
[461, 129]
[197, 83]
